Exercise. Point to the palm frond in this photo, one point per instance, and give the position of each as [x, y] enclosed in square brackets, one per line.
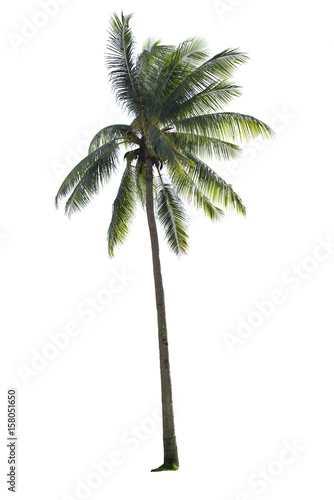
[204, 145]
[172, 216]
[150, 43]
[214, 96]
[213, 71]
[121, 63]
[188, 190]
[175, 157]
[162, 145]
[234, 126]
[213, 186]
[140, 176]
[180, 63]
[192, 51]
[111, 133]
[161, 70]
[92, 171]
[123, 211]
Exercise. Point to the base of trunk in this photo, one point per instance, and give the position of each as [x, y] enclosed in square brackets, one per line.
[166, 466]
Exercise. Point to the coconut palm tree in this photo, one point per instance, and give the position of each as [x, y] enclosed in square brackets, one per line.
[174, 96]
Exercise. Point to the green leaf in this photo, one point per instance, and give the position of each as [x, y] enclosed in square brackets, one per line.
[215, 70]
[140, 176]
[113, 133]
[123, 212]
[204, 145]
[121, 63]
[189, 191]
[214, 186]
[172, 216]
[234, 126]
[208, 100]
[86, 178]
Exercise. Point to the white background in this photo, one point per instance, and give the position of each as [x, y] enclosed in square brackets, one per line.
[235, 406]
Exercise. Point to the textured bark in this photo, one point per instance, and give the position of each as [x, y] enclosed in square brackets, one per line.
[169, 439]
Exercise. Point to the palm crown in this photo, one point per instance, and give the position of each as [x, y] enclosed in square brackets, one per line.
[174, 96]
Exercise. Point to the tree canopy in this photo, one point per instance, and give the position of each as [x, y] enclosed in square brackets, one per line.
[174, 96]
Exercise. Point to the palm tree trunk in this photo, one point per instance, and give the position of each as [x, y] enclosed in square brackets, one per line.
[171, 461]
